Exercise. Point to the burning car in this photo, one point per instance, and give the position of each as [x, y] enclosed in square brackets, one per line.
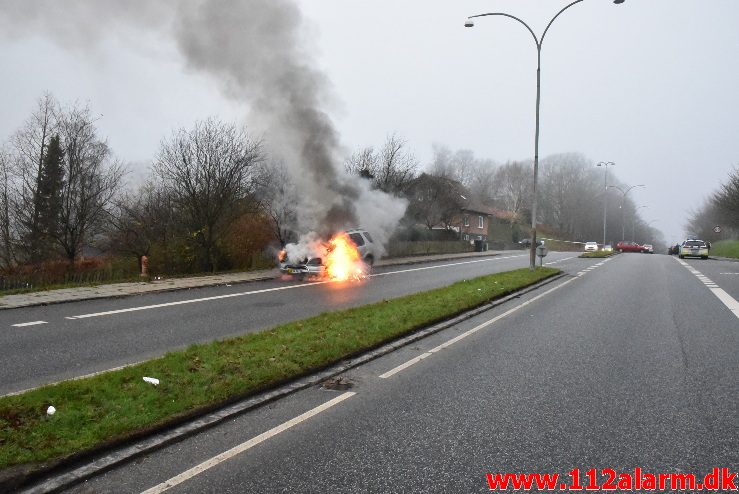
[346, 255]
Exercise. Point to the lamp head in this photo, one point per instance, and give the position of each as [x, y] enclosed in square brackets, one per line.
[471, 23]
[618, 2]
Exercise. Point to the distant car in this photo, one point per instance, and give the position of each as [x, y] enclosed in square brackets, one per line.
[527, 242]
[628, 246]
[648, 249]
[694, 248]
[591, 246]
[674, 250]
[608, 248]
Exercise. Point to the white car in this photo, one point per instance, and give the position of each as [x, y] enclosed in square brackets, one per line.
[591, 246]
[648, 249]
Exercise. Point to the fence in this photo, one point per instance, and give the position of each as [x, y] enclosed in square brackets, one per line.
[427, 247]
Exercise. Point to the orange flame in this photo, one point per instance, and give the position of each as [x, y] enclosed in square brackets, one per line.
[343, 261]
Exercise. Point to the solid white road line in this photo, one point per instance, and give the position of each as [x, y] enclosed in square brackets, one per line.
[446, 265]
[729, 301]
[24, 324]
[404, 366]
[266, 290]
[226, 455]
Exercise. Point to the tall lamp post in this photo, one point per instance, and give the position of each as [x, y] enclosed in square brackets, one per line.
[623, 200]
[605, 165]
[539, 41]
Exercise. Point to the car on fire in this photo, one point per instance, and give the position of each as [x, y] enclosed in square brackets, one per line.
[316, 266]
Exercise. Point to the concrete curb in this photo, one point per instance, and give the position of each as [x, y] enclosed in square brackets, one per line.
[113, 457]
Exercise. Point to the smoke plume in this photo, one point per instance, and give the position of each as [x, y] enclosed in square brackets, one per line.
[256, 50]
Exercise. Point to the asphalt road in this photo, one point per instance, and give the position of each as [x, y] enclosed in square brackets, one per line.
[632, 362]
[80, 338]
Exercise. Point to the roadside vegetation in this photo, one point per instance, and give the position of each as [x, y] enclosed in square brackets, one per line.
[598, 254]
[117, 405]
[725, 248]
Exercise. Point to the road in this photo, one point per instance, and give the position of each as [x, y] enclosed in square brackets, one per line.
[41, 345]
[632, 362]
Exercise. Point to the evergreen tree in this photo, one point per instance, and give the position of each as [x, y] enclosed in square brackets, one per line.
[48, 196]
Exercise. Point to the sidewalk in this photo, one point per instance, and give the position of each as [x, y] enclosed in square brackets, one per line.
[115, 290]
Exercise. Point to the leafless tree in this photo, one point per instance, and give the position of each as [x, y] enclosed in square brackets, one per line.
[7, 227]
[435, 201]
[92, 180]
[278, 197]
[208, 171]
[726, 200]
[513, 186]
[391, 169]
[29, 145]
[476, 175]
[140, 219]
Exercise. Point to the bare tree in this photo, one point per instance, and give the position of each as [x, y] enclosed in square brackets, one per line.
[208, 171]
[278, 198]
[476, 175]
[7, 227]
[92, 180]
[513, 182]
[435, 201]
[29, 148]
[726, 200]
[391, 169]
[141, 219]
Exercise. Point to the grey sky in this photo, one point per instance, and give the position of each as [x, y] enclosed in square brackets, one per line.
[650, 85]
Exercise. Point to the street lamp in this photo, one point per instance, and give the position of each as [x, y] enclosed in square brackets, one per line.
[539, 41]
[605, 165]
[623, 199]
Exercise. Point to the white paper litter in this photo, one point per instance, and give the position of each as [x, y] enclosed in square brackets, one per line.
[51, 410]
[152, 380]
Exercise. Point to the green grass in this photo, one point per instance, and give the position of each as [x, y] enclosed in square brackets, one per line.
[117, 405]
[725, 248]
[598, 254]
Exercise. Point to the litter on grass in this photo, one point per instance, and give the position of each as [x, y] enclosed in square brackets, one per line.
[152, 380]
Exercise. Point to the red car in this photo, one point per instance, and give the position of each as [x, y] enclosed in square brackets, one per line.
[627, 246]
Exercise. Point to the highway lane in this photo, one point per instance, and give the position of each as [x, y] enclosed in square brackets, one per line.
[634, 363]
[80, 338]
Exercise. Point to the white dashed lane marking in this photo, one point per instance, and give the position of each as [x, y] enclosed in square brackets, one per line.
[24, 324]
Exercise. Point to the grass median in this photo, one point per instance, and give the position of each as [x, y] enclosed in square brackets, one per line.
[118, 405]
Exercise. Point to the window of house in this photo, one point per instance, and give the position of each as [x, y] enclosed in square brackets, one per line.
[480, 222]
[466, 221]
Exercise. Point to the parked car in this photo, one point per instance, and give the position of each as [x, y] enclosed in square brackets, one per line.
[648, 249]
[628, 246]
[527, 242]
[694, 248]
[591, 246]
[608, 248]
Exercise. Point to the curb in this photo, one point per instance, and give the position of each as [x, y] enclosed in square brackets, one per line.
[116, 456]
